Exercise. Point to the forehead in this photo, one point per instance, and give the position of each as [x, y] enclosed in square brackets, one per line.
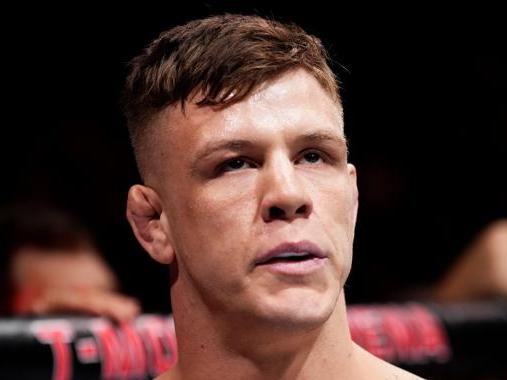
[294, 96]
[34, 266]
[294, 103]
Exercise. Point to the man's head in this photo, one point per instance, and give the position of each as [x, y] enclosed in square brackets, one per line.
[214, 62]
[43, 248]
[237, 128]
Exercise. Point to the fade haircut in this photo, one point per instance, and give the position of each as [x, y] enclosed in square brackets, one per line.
[222, 59]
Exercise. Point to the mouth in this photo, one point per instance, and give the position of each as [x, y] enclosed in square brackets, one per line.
[288, 257]
[293, 258]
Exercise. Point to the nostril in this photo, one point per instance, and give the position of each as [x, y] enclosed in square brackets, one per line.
[279, 213]
[302, 210]
[276, 213]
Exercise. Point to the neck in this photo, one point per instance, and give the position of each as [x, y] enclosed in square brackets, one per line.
[244, 351]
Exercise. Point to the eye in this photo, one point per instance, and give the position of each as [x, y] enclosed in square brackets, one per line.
[311, 157]
[235, 164]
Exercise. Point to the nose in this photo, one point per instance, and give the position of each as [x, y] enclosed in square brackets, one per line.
[284, 195]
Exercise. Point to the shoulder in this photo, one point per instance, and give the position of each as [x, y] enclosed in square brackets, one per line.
[396, 373]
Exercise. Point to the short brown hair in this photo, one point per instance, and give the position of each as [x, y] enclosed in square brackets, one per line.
[221, 58]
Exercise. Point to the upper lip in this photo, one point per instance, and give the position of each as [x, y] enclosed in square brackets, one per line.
[302, 247]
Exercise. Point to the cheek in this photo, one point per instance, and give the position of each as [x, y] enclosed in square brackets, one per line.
[226, 205]
[217, 221]
[335, 207]
[335, 202]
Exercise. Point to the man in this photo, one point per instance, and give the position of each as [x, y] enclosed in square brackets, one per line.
[49, 264]
[237, 127]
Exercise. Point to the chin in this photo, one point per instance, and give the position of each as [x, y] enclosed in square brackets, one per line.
[298, 309]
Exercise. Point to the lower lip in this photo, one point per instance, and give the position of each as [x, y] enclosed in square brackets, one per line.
[297, 268]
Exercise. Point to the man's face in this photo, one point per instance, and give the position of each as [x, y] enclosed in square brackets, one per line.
[38, 271]
[268, 172]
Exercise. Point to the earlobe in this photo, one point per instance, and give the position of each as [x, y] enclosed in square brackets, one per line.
[145, 215]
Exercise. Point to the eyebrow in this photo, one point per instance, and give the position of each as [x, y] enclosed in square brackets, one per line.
[239, 145]
[214, 146]
[322, 136]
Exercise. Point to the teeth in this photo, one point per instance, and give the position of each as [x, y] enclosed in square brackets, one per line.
[291, 254]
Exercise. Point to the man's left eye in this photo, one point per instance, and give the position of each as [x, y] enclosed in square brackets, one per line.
[311, 157]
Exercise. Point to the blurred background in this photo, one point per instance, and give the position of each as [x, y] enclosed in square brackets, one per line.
[425, 97]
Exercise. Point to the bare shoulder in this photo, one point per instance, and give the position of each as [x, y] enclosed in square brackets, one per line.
[396, 373]
[382, 370]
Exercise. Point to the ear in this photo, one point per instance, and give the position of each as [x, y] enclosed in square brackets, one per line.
[145, 215]
[353, 183]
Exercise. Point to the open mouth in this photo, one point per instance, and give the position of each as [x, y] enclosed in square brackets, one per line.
[293, 259]
[288, 259]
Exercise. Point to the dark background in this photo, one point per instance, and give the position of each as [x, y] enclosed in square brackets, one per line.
[425, 111]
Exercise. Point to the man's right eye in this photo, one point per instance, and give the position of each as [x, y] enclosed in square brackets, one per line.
[235, 164]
